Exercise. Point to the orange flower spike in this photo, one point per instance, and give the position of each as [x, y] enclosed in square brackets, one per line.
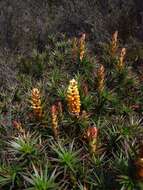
[36, 103]
[114, 43]
[101, 78]
[121, 63]
[54, 115]
[139, 165]
[73, 98]
[82, 46]
[92, 134]
[18, 126]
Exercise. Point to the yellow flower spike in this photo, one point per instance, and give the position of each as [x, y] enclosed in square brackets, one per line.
[82, 46]
[36, 103]
[114, 43]
[73, 98]
[101, 78]
[121, 63]
[54, 116]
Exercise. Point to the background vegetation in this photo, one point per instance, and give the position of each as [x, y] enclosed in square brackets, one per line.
[99, 148]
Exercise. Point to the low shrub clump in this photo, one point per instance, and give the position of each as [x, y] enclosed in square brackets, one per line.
[74, 120]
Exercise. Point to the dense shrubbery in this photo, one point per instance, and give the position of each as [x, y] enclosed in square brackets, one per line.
[86, 134]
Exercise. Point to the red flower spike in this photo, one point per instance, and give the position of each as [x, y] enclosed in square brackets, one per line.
[92, 132]
[54, 109]
[54, 117]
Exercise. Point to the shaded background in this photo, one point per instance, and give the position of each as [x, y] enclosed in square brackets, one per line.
[25, 25]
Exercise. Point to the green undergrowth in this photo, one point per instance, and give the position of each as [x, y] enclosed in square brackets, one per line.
[35, 160]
